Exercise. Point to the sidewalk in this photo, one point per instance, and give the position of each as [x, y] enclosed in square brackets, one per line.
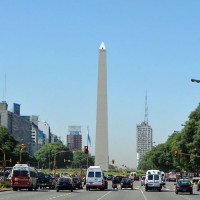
[5, 189]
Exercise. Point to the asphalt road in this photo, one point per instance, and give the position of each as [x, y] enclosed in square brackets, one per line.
[138, 193]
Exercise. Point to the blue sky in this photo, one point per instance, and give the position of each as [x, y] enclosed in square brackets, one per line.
[49, 53]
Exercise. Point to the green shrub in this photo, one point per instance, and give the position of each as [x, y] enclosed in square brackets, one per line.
[5, 184]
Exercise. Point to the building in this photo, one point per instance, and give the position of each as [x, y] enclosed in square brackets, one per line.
[101, 146]
[144, 140]
[20, 128]
[45, 128]
[74, 138]
[55, 138]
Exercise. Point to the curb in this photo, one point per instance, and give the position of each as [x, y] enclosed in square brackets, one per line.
[5, 189]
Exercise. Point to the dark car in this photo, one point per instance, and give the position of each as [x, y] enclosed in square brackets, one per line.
[77, 183]
[65, 184]
[46, 180]
[126, 183]
[109, 177]
[183, 186]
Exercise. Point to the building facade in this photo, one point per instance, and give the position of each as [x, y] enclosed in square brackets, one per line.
[20, 128]
[45, 128]
[74, 138]
[144, 140]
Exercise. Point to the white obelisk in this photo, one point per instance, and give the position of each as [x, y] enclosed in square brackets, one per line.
[101, 147]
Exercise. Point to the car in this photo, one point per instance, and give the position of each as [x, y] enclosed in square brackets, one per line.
[143, 180]
[134, 176]
[65, 184]
[153, 182]
[46, 180]
[109, 177]
[95, 178]
[126, 183]
[183, 185]
[77, 183]
[23, 177]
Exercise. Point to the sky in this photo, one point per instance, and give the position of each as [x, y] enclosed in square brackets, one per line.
[49, 56]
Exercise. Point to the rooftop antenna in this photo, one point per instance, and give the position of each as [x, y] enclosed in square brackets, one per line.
[5, 87]
[4, 90]
[146, 110]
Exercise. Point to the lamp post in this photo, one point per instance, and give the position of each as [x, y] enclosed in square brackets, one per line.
[22, 147]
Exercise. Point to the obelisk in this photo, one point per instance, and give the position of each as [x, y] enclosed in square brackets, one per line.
[101, 147]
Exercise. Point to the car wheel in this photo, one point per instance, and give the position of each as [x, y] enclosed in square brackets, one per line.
[146, 189]
[57, 190]
[14, 189]
[176, 192]
[132, 188]
[191, 192]
[121, 188]
[71, 190]
[159, 190]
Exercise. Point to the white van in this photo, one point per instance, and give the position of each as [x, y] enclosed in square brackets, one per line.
[153, 180]
[23, 177]
[95, 178]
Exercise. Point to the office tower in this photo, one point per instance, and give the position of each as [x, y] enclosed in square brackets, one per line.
[101, 147]
[144, 136]
[74, 138]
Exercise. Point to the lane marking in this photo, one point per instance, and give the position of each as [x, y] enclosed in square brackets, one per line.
[143, 195]
[104, 195]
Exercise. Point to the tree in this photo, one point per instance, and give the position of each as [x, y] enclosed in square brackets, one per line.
[80, 159]
[45, 155]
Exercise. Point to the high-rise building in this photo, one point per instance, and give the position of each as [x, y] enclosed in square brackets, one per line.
[101, 146]
[144, 136]
[144, 140]
[45, 128]
[19, 127]
[74, 138]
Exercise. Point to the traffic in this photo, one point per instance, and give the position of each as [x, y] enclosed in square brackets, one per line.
[24, 177]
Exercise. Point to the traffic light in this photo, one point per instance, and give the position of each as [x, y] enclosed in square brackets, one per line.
[86, 149]
[113, 161]
[10, 160]
[176, 153]
[65, 160]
